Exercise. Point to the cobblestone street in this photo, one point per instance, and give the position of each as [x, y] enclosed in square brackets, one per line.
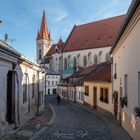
[72, 122]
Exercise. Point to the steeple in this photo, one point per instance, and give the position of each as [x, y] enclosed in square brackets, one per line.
[44, 29]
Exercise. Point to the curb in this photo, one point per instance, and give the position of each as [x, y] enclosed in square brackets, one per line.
[45, 128]
[54, 115]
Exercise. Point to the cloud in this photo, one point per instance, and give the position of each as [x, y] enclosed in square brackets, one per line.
[60, 15]
[105, 8]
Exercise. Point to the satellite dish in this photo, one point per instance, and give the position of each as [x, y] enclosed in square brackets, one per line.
[6, 37]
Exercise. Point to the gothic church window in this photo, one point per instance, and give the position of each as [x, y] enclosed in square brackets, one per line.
[84, 61]
[100, 57]
[89, 58]
[65, 64]
[107, 57]
[74, 62]
[95, 59]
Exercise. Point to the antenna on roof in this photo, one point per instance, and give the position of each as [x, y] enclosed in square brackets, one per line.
[5, 37]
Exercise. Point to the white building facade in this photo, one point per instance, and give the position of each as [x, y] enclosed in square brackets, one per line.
[126, 72]
[21, 89]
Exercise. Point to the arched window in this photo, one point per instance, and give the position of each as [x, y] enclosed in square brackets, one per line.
[69, 61]
[33, 86]
[95, 59]
[89, 58]
[100, 57]
[84, 61]
[39, 53]
[74, 63]
[107, 57]
[25, 87]
[65, 64]
[78, 59]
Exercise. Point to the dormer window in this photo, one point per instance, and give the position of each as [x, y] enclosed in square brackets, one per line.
[56, 49]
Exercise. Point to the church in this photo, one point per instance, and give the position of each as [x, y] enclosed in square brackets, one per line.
[87, 44]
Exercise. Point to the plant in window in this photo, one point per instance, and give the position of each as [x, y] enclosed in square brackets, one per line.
[136, 112]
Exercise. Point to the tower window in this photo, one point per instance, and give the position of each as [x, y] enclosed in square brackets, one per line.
[39, 53]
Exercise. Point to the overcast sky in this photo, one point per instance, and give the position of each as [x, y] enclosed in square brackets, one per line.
[22, 18]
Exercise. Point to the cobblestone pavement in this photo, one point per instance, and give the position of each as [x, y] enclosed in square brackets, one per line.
[32, 127]
[75, 123]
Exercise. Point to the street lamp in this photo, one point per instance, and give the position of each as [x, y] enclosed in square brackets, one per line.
[0, 21]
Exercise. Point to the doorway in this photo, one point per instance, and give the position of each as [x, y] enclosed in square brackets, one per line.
[48, 91]
[10, 110]
[54, 91]
[95, 97]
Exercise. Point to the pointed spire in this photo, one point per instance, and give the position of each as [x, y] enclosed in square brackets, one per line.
[38, 35]
[60, 42]
[44, 29]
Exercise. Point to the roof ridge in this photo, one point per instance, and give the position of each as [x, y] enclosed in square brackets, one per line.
[100, 20]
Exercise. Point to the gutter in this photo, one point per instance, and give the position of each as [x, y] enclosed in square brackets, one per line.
[9, 51]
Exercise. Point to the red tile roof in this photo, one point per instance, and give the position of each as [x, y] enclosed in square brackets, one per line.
[102, 73]
[93, 35]
[52, 50]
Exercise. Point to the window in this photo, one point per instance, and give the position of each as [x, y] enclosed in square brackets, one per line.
[95, 59]
[25, 90]
[52, 82]
[65, 63]
[69, 59]
[125, 85]
[48, 83]
[78, 59]
[87, 90]
[56, 82]
[107, 57]
[100, 57]
[89, 58]
[84, 61]
[138, 89]
[104, 95]
[39, 53]
[74, 63]
[33, 86]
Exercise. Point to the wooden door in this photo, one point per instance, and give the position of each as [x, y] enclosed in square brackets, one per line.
[95, 97]
[10, 110]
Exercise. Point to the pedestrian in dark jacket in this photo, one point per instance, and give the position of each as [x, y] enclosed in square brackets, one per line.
[58, 99]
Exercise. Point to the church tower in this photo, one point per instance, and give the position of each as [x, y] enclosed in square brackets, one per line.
[43, 41]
